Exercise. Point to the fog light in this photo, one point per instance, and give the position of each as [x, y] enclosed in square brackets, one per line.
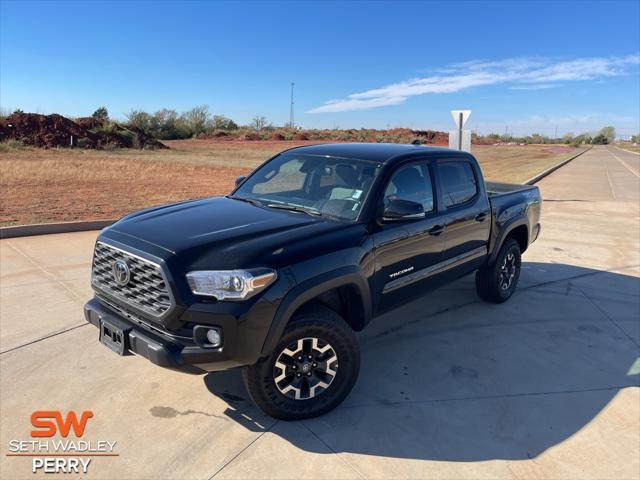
[214, 337]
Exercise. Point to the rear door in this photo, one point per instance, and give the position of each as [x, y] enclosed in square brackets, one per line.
[467, 215]
[404, 248]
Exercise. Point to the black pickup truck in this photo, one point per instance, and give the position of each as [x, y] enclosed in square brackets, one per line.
[279, 275]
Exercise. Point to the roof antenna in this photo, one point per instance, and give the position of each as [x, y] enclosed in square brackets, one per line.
[416, 142]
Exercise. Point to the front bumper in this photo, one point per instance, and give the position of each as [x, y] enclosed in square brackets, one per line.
[163, 349]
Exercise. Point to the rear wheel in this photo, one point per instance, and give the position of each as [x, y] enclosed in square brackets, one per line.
[312, 369]
[497, 282]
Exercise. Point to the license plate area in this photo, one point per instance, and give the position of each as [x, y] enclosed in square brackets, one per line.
[115, 337]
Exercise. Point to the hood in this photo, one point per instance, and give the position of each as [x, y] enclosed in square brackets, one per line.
[221, 232]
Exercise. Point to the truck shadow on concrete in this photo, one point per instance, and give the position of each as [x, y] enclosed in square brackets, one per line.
[449, 377]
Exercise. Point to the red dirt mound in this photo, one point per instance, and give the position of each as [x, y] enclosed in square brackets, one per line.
[49, 131]
[300, 136]
[276, 136]
[219, 134]
[432, 137]
[90, 123]
[250, 136]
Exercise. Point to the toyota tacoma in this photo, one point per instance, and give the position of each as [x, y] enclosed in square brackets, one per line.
[278, 276]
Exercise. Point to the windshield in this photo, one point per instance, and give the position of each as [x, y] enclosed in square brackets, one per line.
[335, 187]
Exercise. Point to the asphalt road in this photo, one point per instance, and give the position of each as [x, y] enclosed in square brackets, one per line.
[544, 386]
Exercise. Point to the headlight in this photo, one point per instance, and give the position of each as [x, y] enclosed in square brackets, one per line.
[230, 284]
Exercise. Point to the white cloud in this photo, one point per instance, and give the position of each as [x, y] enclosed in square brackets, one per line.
[535, 86]
[522, 73]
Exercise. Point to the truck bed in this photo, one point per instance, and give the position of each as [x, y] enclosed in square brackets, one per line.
[513, 203]
[496, 189]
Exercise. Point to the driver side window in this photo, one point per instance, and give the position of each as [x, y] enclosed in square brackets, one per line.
[411, 182]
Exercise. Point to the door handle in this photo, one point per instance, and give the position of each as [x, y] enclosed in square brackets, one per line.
[480, 217]
[436, 230]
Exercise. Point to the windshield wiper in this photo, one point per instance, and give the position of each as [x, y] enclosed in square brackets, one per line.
[293, 208]
[248, 200]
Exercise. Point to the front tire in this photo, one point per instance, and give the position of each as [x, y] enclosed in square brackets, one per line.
[497, 282]
[312, 369]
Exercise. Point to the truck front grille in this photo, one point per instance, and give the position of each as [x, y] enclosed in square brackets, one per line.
[146, 288]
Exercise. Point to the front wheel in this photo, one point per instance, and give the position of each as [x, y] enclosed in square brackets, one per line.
[497, 282]
[312, 369]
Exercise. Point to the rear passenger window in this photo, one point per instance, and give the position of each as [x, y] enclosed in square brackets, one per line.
[458, 183]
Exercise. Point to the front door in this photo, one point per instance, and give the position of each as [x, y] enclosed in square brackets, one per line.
[405, 249]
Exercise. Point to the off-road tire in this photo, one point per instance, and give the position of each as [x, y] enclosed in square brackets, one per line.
[315, 321]
[489, 284]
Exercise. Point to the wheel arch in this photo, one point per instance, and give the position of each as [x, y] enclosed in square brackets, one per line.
[346, 285]
[521, 235]
[519, 231]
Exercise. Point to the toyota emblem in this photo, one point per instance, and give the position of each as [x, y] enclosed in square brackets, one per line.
[121, 272]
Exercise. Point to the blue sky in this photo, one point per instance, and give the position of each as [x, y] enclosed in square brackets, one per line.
[525, 66]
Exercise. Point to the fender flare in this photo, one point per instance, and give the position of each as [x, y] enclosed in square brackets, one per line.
[302, 293]
[506, 230]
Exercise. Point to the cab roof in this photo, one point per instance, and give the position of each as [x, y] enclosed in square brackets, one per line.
[377, 152]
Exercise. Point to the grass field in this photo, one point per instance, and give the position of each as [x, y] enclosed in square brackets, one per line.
[40, 186]
[629, 146]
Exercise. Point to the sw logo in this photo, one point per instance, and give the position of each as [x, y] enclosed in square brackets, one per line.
[60, 455]
[46, 427]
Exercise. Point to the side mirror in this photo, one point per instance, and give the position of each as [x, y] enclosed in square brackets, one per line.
[403, 210]
[239, 180]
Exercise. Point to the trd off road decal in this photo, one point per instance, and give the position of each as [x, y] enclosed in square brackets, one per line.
[401, 272]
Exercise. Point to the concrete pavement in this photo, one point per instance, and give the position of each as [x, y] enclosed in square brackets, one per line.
[544, 386]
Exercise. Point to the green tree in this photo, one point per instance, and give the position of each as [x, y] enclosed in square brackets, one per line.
[196, 119]
[101, 113]
[609, 133]
[600, 140]
[141, 120]
[538, 138]
[582, 138]
[220, 122]
[167, 126]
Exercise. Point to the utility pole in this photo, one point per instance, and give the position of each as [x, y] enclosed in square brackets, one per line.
[291, 124]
